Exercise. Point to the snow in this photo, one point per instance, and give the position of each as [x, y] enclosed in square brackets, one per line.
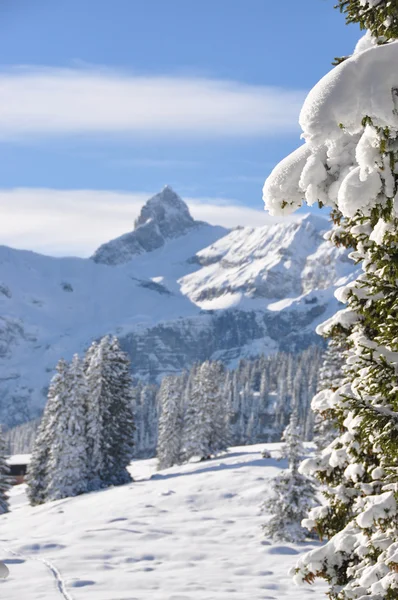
[369, 77]
[379, 231]
[365, 42]
[189, 532]
[281, 304]
[163, 217]
[339, 164]
[378, 508]
[277, 263]
[356, 193]
[19, 459]
[282, 184]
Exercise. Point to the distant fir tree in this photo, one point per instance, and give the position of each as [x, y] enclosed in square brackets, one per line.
[20, 439]
[37, 472]
[110, 426]
[197, 430]
[207, 415]
[171, 421]
[214, 387]
[293, 494]
[67, 465]
[5, 479]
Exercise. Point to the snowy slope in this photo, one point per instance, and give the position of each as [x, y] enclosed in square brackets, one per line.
[166, 304]
[186, 533]
[286, 260]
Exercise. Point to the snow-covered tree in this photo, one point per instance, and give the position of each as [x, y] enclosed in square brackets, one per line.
[292, 492]
[5, 479]
[170, 421]
[349, 162]
[110, 424]
[67, 465]
[207, 414]
[220, 408]
[197, 429]
[331, 377]
[20, 439]
[37, 473]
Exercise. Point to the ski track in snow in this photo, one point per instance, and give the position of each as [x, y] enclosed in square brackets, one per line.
[50, 566]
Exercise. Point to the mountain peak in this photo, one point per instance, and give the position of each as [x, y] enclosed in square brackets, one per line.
[166, 208]
[320, 223]
[164, 216]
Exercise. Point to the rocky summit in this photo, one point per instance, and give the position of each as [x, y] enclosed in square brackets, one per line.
[163, 217]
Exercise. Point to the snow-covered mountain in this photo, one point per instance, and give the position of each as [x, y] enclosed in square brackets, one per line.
[257, 267]
[163, 218]
[174, 290]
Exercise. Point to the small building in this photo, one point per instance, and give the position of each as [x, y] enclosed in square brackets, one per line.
[18, 464]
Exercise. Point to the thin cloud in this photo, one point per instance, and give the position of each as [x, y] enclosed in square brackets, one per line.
[55, 101]
[76, 222]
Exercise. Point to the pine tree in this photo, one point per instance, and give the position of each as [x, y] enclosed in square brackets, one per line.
[37, 473]
[110, 428]
[349, 162]
[292, 492]
[214, 387]
[67, 466]
[378, 16]
[198, 425]
[331, 377]
[150, 418]
[207, 415]
[169, 450]
[5, 479]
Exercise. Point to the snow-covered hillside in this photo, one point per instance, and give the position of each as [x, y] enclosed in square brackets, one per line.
[254, 267]
[277, 281]
[186, 533]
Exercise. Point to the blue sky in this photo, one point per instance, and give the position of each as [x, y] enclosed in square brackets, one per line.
[126, 96]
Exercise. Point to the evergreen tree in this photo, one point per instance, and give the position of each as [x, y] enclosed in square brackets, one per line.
[378, 16]
[214, 387]
[207, 416]
[198, 425]
[330, 379]
[170, 422]
[5, 479]
[292, 493]
[20, 439]
[349, 162]
[67, 465]
[37, 472]
[150, 418]
[110, 428]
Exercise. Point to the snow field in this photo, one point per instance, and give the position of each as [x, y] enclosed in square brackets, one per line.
[186, 533]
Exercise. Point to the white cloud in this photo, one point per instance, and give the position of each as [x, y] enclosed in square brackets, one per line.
[55, 101]
[76, 222]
